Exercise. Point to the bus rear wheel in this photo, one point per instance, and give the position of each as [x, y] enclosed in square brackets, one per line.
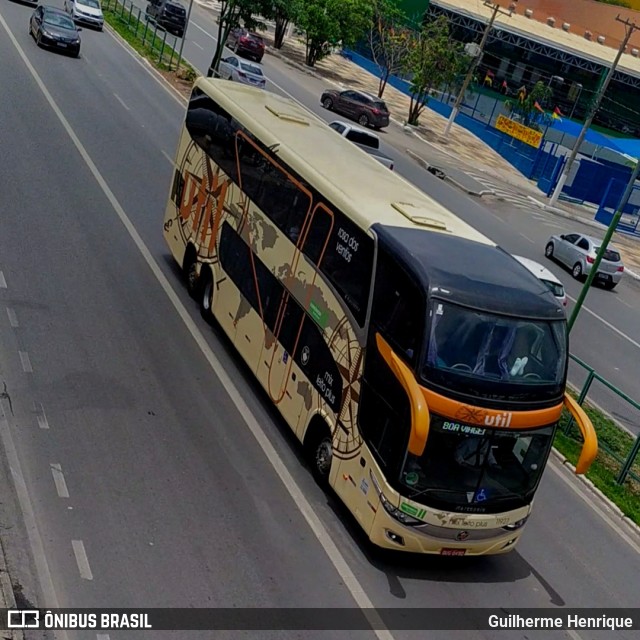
[319, 449]
[190, 271]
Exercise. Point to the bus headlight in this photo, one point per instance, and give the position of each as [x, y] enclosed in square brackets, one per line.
[516, 525]
[394, 512]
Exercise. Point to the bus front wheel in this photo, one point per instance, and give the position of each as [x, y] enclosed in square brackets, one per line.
[206, 295]
[319, 449]
[190, 271]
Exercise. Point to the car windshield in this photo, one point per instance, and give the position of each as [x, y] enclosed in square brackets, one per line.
[251, 68]
[609, 255]
[59, 20]
[493, 356]
[555, 287]
[89, 3]
[476, 469]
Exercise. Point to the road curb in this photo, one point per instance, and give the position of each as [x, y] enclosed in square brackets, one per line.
[570, 216]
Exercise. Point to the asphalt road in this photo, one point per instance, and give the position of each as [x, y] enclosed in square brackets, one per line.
[606, 336]
[172, 500]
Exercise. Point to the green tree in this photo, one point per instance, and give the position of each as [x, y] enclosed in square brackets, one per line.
[232, 13]
[434, 59]
[388, 40]
[526, 106]
[327, 23]
[282, 12]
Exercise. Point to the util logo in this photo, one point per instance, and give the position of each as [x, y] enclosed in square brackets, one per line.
[499, 420]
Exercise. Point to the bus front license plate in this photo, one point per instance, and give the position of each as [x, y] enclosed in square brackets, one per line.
[453, 552]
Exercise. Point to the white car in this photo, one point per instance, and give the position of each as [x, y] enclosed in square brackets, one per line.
[544, 275]
[234, 68]
[87, 12]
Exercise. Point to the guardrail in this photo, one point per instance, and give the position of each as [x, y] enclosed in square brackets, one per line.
[612, 445]
[159, 41]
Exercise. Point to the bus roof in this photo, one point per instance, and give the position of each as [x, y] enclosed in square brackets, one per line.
[354, 181]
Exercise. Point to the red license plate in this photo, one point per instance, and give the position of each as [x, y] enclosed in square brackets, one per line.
[453, 552]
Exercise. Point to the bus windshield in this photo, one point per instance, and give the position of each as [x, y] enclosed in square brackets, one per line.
[469, 468]
[492, 356]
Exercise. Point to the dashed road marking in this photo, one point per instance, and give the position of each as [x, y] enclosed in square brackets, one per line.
[196, 44]
[121, 101]
[13, 318]
[3, 282]
[168, 157]
[81, 559]
[26, 362]
[58, 479]
[43, 423]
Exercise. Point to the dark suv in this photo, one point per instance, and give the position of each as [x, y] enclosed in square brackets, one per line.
[246, 43]
[365, 108]
[169, 14]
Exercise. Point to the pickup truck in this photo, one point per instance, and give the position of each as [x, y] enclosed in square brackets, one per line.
[366, 140]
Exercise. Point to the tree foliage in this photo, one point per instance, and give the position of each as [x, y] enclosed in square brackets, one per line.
[526, 106]
[388, 39]
[283, 13]
[232, 14]
[327, 23]
[433, 59]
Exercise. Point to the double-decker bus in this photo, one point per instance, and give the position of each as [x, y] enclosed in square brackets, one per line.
[421, 366]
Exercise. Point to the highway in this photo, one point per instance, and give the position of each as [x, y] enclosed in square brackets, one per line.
[149, 469]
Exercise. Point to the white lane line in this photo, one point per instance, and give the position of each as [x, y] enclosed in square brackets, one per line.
[81, 559]
[26, 362]
[43, 423]
[308, 512]
[3, 282]
[168, 157]
[626, 304]
[59, 481]
[526, 238]
[608, 324]
[206, 33]
[13, 318]
[591, 499]
[195, 43]
[121, 101]
[103, 636]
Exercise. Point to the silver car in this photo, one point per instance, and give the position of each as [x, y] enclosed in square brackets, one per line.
[578, 252]
[234, 68]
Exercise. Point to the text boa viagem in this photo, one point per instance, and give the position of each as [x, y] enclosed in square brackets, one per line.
[515, 621]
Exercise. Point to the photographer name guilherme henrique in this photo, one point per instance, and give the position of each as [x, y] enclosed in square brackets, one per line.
[515, 621]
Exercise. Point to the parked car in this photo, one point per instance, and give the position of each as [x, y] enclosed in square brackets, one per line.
[246, 43]
[546, 277]
[232, 68]
[365, 108]
[168, 14]
[52, 27]
[88, 12]
[364, 139]
[578, 252]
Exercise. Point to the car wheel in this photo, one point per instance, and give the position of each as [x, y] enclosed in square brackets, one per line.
[39, 40]
[548, 250]
[327, 103]
[576, 272]
[363, 120]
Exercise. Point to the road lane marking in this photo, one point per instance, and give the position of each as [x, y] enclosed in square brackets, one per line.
[26, 362]
[608, 324]
[168, 157]
[3, 282]
[43, 423]
[81, 559]
[196, 44]
[121, 101]
[103, 636]
[526, 237]
[590, 499]
[13, 318]
[304, 506]
[59, 481]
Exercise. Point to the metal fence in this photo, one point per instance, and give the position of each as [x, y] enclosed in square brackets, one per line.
[625, 460]
[161, 44]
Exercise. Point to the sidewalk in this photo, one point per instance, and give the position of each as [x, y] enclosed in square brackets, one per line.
[461, 150]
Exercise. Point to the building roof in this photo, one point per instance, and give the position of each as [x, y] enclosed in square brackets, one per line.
[544, 34]
[353, 180]
[468, 273]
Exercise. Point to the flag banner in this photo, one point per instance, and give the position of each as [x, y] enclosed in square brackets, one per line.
[317, 619]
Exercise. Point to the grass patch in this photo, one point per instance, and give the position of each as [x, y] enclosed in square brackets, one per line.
[614, 445]
[132, 30]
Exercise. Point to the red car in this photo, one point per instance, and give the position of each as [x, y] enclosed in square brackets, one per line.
[246, 43]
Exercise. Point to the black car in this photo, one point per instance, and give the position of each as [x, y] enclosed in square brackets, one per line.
[169, 15]
[52, 27]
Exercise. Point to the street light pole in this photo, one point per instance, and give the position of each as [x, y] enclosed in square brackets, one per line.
[605, 243]
[630, 27]
[184, 35]
[474, 64]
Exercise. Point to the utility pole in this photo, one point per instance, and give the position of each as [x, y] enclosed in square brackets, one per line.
[630, 27]
[184, 35]
[472, 67]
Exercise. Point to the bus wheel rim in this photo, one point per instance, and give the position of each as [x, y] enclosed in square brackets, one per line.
[324, 454]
